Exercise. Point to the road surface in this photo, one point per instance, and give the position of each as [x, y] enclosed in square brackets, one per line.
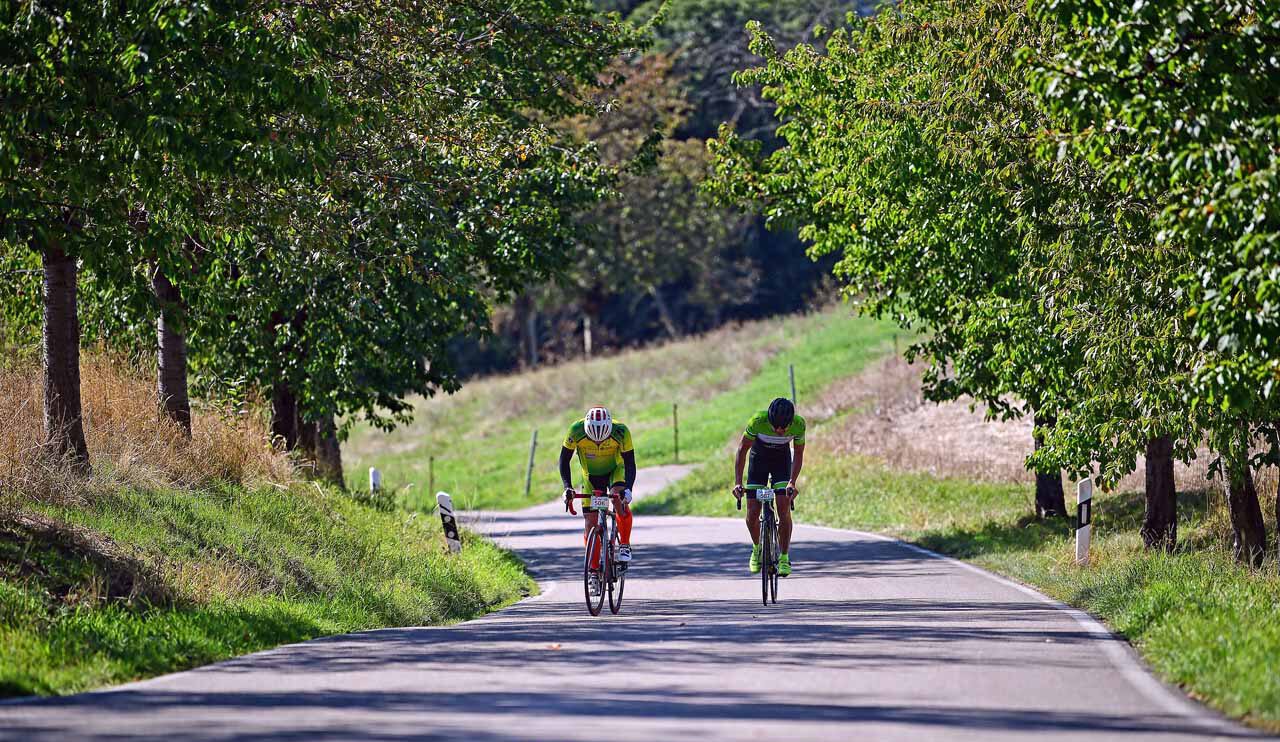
[871, 640]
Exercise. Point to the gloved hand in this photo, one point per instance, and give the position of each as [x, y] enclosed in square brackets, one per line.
[569, 492]
[739, 491]
[626, 497]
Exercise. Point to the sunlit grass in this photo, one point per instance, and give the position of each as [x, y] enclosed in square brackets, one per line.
[479, 438]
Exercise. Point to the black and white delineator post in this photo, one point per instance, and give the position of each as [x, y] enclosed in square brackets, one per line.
[1084, 519]
[375, 479]
[445, 505]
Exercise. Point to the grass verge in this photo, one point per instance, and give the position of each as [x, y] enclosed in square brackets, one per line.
[177, 552]
[138, 583]
[1201, 621]
[477, 441]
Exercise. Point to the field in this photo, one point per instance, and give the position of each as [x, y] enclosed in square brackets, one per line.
[479, 437]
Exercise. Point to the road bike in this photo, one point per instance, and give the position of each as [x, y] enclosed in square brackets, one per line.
[609, 573]
[768, 539]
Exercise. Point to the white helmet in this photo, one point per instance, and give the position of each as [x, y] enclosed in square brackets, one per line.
[599, 423]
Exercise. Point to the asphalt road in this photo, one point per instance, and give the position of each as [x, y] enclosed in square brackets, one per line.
[872, 639]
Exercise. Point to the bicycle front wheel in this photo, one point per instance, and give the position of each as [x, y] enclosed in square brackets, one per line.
[766, 555]
[773, 571]
[617, 578]
[594, 602]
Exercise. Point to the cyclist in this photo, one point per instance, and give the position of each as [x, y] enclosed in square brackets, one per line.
[609, 462]
[769, 437]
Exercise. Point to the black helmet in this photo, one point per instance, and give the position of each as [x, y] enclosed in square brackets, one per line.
[781, 412]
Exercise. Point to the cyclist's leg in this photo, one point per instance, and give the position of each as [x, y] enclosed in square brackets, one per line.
[622, 510]
[757, 477]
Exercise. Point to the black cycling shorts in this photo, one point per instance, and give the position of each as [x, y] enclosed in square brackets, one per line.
[601, 482]
[769, 466]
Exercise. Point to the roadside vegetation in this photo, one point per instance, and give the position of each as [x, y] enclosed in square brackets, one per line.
[1199, 619]
[479, 437]
[175, 552]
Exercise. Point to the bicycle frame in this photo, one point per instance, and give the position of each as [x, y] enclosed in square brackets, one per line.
[600, 549]
[769, 553]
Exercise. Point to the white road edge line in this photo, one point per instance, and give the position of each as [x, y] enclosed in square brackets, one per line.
[1122, 656]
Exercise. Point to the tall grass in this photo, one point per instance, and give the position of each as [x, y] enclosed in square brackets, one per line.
[131, 443]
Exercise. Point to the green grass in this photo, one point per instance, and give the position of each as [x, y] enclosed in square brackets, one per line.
[479, 438]
[242, 569]
[1201, 621]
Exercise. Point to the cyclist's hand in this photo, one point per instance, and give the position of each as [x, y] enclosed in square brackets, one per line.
[626, 497]
[568, 497]
[739, 491]
[792, 492]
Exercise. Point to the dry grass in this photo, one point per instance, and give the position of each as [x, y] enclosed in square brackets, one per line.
[130, 442]
[897, 426]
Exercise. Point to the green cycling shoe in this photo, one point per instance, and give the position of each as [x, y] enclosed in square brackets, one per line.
[784, 565]
[754, 564]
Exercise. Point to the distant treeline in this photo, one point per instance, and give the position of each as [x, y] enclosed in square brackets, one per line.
[659, 259]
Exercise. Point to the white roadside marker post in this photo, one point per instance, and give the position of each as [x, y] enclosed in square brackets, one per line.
[1084, 520]
[445, 504]
[375, 480]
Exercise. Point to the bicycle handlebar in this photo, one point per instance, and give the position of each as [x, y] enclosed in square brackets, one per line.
[744, 494]
[568, 503]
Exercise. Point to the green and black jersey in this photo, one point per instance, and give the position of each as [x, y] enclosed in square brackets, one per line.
[764, 437]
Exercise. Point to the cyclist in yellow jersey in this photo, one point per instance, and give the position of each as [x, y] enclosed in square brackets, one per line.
[608, 460]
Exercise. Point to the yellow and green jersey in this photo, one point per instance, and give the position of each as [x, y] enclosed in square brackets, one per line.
[605, 457]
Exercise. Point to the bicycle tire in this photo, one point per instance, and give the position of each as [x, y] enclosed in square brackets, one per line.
[766, 559]
[592, 607]
[618, 576]
[773, 572]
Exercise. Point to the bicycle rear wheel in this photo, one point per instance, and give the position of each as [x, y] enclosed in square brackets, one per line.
[617, 577]
[594, 602]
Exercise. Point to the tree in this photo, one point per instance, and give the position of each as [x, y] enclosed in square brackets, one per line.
[1174, 106]
[907, 153]
[104, 106]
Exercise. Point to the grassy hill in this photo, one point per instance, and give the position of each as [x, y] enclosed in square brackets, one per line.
[479, 437]
[175, 554]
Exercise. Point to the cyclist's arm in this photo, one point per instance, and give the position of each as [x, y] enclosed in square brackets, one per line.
[566, 471]
[740, 463]
[629, 468]
[797, 463]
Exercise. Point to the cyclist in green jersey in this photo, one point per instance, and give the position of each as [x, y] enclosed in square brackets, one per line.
[769, 437]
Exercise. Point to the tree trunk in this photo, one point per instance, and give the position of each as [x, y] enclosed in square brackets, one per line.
[1250, 543]
[1050, 499]
[329, 452]
[586, 336]
[1160, 523]
[171, 338]
[63, 415]
[284, 416]
[664, 312]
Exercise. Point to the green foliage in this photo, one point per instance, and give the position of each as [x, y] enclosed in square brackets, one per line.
[1173, 105]
[249, 569]
[1071, 201]
[908, 155]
